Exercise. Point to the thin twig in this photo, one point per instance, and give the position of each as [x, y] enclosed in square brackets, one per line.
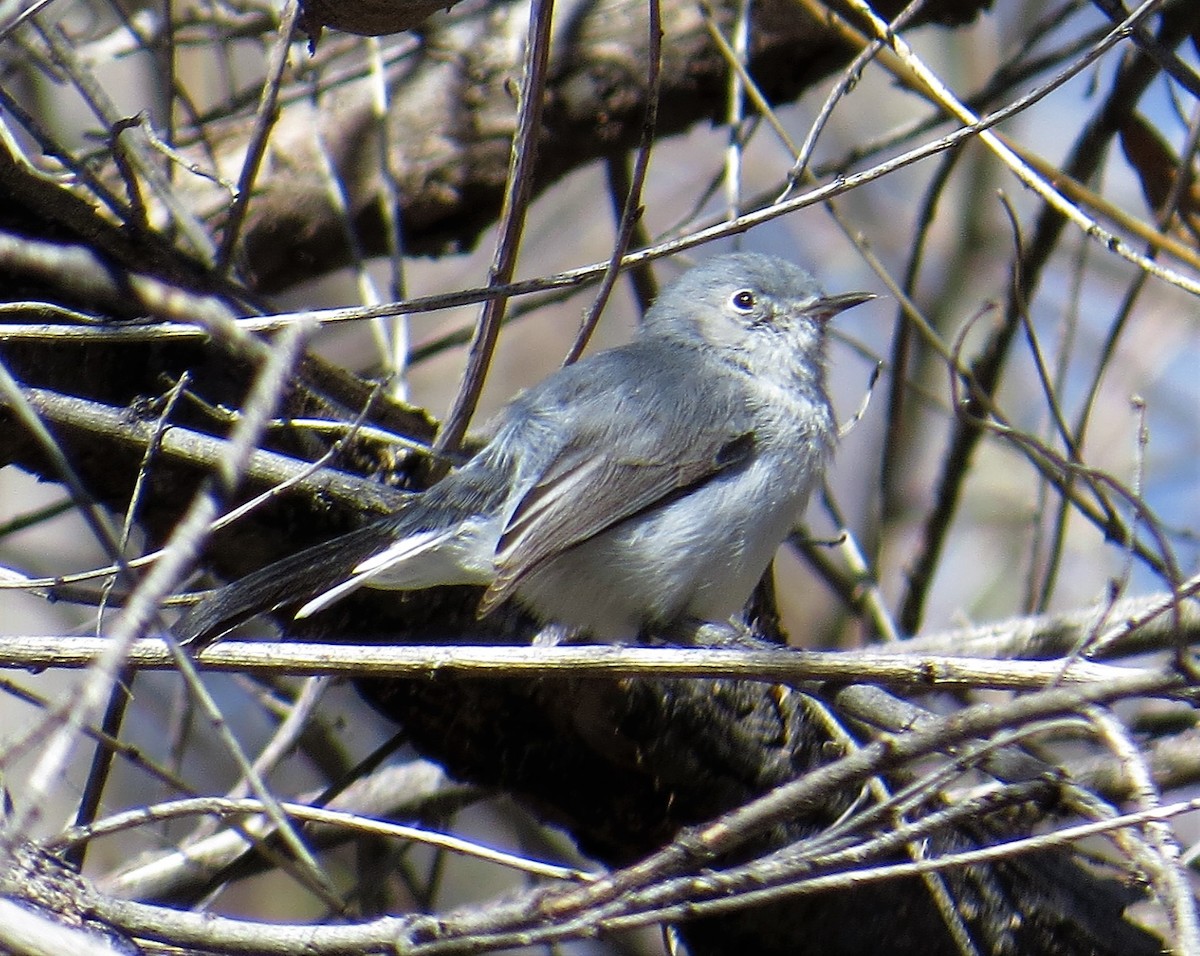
[631, 213]
[256, 146]
[517, 191]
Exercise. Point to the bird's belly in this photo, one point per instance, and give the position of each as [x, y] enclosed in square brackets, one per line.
[698, 557]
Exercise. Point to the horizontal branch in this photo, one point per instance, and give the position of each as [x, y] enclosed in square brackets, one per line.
[203, 451]
[782, 666]
[1129, 626]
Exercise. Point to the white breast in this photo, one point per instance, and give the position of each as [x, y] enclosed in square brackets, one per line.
[699, 556]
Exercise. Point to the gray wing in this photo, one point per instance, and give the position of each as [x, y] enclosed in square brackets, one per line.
[625, 456]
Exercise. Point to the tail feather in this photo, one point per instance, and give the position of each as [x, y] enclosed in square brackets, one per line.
[304, 575]
[381, 565]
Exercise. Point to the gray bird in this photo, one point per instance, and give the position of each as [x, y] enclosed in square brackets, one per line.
[642, 486]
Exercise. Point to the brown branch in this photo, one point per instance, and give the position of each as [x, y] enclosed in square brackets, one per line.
[452, 120]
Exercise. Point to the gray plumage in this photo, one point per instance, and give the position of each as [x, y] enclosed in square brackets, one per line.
[643, 485]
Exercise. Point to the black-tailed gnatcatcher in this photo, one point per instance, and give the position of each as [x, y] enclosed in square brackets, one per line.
[641, 486]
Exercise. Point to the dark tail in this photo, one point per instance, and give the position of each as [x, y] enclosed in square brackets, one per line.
[295, 578]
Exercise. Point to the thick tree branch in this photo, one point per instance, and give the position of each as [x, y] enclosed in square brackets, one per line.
[453, 116]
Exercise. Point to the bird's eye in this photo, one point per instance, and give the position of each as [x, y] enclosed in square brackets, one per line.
[743, 300]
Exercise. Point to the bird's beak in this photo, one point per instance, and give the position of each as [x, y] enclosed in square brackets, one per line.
[828, 306]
